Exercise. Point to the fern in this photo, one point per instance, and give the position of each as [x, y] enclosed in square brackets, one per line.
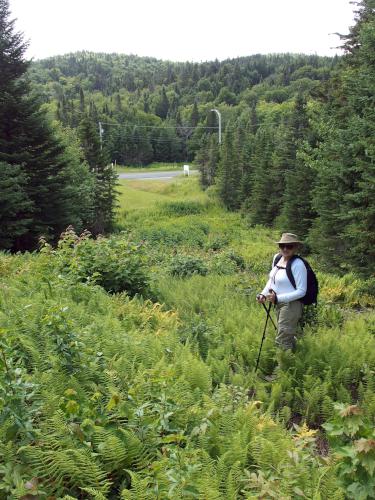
[69, 468]
[94, 493]
[139, 489]
[234, 481]
[119, 449]
[327, 408]
[269, 446]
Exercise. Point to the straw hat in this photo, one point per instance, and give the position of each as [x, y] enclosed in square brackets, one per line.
[289, 238]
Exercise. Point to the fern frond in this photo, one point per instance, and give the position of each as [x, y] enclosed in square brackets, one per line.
[269, 446]
[119, 449]
[95, 494]
[139, 489]
[68, 468]
[234, 481]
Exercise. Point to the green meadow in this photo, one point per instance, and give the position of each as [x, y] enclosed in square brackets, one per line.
[129, 364]
[152, 167]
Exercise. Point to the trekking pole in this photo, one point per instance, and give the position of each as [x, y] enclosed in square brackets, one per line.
[265, 308]
[264, 334]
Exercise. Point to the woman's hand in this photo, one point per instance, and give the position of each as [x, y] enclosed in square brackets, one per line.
[271, 297]
[261, 299]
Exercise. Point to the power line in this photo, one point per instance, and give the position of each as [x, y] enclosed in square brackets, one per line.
[145, 139]
[183, 127]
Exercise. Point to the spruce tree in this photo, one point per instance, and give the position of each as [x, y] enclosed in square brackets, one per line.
[213, 159]
[201, 159]
[82, 105]
[247, 167]
[229, 172]
[282, 163]
[344, 231]
[14, 204]
[194, 117]
[261, 188]
[12, 50]
[297, 213]
[28, 144]
[80, 182]
[162, 106]
[105, 176]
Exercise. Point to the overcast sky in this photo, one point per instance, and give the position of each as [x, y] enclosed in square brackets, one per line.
[194, 30]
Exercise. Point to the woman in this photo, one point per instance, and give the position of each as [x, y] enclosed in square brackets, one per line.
[280, 291]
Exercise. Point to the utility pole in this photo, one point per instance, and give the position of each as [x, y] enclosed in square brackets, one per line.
[101, 131]
[219, 118]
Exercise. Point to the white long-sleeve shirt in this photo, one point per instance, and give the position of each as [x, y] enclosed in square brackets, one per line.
[280, 283]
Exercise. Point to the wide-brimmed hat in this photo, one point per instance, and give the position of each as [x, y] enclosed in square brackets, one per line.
[289, 238]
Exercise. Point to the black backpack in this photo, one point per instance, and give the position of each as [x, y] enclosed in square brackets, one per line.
[312, 291]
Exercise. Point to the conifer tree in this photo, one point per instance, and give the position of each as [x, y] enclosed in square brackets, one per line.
[194, 117]
[202, 161]
[29, 145]
[282, 162]
[229, 173]
[261, 188]
[344, 231]
[80, 182]
[247, 167]
[162, 106]
[14, 204]
[213, 159]
[105, 176]
[81, 100]
[297, 212]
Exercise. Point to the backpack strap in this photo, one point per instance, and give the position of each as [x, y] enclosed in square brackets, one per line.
[276, 259]
[289, 271]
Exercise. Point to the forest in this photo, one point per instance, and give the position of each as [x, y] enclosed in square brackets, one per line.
[129, 330]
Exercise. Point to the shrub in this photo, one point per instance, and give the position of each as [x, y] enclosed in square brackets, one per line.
[228, 263]
[237, 259]
[353, 440]
[221, 264]
[184, 266]
[116, 263]
[217, 243]
[172, 233]
[180, 208]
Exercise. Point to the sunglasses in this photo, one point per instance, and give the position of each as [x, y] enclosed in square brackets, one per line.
[288, 246]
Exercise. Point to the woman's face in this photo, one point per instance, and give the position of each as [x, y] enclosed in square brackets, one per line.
[287, 250]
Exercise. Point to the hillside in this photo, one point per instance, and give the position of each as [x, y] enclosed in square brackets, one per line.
[148, 106]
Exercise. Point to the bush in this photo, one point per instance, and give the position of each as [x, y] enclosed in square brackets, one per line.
[237, 259]
[351, 436]
[227, 263]
[222, 265]
[217, 243]
[170, 233]
[116, 263]
[185, 266]
[180, 208]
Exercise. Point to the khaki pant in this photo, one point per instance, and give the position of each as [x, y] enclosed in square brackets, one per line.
[288, 314]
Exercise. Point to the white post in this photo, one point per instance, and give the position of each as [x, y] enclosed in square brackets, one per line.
[219, 118]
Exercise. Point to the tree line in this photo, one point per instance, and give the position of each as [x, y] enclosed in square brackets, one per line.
[151, 108]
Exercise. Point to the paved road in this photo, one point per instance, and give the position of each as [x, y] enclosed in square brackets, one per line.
[155, 175]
